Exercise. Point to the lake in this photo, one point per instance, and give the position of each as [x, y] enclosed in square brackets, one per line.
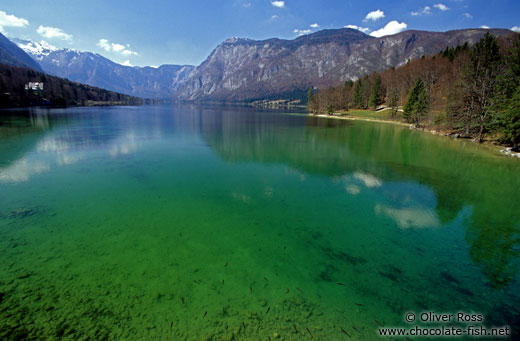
[188, 222]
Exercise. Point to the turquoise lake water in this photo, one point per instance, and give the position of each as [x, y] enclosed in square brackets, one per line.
[215, 223]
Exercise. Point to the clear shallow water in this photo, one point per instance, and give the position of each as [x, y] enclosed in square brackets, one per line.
[216, 223]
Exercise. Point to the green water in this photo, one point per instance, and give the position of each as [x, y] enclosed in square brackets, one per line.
[189, 223]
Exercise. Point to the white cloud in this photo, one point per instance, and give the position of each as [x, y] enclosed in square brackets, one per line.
[9, 20]
[301, 32]
[129, 53]
[53, 32]
[126, 63]
[103, 43]
[426, 10]
[359, 28]
[374, 15]
[116, 47]
[279, 4]
[484, 26]
[442, 7]
[515, 29]
[392, 27]
[246, 5]
[315, 25]
[467, 15]
[274, 17]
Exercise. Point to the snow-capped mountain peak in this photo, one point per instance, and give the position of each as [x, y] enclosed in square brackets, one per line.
[38, 50]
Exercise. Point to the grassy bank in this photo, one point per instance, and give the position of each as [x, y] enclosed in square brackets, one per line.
[367, 115]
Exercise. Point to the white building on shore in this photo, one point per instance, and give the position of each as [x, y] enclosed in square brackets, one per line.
[34, 86]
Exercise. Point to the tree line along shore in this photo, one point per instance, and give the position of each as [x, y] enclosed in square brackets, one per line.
[54, 91]
[467, 91]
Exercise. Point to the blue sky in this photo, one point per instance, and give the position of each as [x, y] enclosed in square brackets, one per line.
[184, 32]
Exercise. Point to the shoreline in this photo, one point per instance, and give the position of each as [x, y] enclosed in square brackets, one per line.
[500, 150]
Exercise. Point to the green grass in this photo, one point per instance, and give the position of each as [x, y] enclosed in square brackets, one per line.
[380, 115]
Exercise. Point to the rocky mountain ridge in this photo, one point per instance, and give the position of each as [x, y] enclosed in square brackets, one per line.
[96, 70]
[245, 69]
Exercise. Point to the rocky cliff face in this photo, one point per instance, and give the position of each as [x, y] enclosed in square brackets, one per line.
[244, 69]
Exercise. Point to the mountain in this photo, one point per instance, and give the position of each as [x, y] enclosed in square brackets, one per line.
[34, 49]
[245, 69]
[96, 70]
[11, 54]
[56, 91]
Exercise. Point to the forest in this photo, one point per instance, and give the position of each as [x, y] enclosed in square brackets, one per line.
[56, 91]
[470, 91]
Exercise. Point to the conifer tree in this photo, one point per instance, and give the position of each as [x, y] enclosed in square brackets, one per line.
[358, 100]
[349, 83]
[511, 120]
[506, 105]
[393, 101]
[309, 95]
[417, 103]
[330, 110]
[375, 95]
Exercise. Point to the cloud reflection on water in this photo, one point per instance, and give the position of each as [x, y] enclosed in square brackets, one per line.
[22, 169]
[410, 217]
[59, 149]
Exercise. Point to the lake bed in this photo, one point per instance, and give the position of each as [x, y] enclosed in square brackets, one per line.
[186, 222]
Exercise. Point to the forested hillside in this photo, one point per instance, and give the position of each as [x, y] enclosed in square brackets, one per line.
[56, 91]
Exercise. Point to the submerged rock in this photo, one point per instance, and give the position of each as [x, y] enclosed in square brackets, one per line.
[22, 212]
